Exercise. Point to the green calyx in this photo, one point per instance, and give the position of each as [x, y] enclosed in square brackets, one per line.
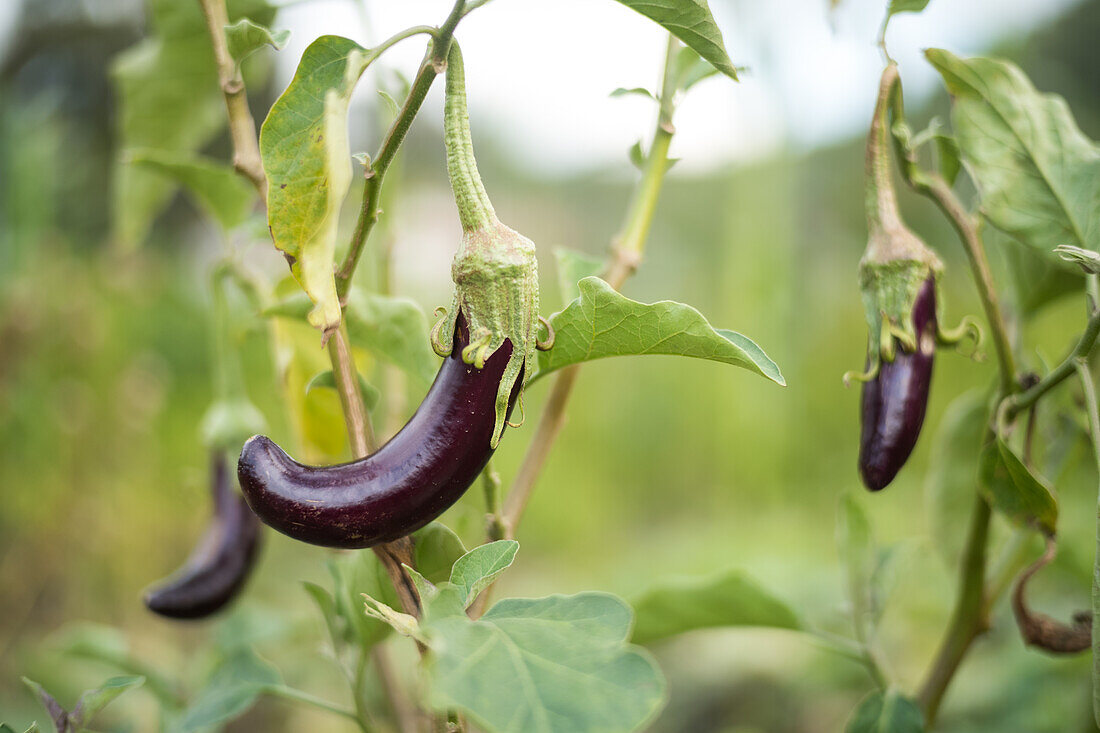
[495, 270]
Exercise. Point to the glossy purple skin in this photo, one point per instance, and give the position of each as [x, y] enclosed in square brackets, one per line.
[408, 482]
[894, 402]
[220, 564]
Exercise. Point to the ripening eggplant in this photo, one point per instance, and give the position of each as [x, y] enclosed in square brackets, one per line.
[220, 564]
[408, 482]
[899, 276]
[893, 403]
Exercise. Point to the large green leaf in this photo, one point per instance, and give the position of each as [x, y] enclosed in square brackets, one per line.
[728, 600]
[549, 665]
[216, 186]
[354, 574]
[1037, 173]
[886, 712]
[304, 146]
[951, 479]
[92, 701]
[436, 548]
[602, 322]
[1015, 490]
[690, 21]
[168, 99]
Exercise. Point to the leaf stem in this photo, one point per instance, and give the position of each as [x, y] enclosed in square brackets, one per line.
[1023, 400]
[626, 253]
[299, 696]
[242, 128]
[434, 63]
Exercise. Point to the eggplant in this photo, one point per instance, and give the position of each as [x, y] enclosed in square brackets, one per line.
[220, 564]
[408, 482]
[894, 401]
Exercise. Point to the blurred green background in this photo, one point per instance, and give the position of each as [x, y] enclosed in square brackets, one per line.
[666, 467]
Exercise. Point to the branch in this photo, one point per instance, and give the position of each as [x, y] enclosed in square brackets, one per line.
[626, 253]
[242, 128]
[1019, 402]
[434, 63]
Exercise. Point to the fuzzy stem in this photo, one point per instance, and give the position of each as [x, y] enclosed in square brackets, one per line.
[474, 208]
[880, 199]
[242, 128]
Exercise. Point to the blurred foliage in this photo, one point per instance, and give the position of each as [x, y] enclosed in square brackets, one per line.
[667, 467]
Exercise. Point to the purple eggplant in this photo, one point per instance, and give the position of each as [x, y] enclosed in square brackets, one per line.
[894, 401]
[220, 564]
[408, 482]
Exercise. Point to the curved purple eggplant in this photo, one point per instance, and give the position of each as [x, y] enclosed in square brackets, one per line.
[222, 561]
[408, 482]
[893, 403]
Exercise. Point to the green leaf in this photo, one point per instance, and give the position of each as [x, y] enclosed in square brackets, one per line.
[394, 329]
[57, 713]
[245, 38]
[886, 712]
[478, 568]
[230, 692]
[1036, 280]
[1037, 173]
[731, 599]
[354, 574]
[906, 6]
[436, 548]
[574, 265]
[304, 146]
[327, 380]
[637, 159]
[168, 99]
[639, 91]
[949, 485]
[601, 322]
[562, 661]
[218, 189]
[1011, 487]
[857, 554]
[92, 701]
[327, 606]
[689, 68]
[690, 21]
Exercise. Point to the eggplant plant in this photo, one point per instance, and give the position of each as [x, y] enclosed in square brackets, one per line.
[403, 580]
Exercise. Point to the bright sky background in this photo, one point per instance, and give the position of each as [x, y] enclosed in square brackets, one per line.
[539, 72]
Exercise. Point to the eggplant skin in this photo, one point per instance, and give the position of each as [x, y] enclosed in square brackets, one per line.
[408, 482]
[220, 564]
[894, 402]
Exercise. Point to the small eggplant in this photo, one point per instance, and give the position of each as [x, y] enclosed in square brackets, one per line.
[408, 482]
[220, 564]
[894, 401]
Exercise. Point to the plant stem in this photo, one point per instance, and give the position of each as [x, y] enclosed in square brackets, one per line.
[968, 229]
[490, 480]
[626, 253]
[360, 430]
[434, 63]
[289, 693]
[403, 712]
[242, 128]
[1094, 433]
[969, 618]
[1018, 402]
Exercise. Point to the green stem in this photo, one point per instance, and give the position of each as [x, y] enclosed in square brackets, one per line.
[289, 693]
[1019, 402]
[491, 483]
[880, 200]
[1094, 433]
[969, 617]
[474, 208]
[435, 61]
[626, 252]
